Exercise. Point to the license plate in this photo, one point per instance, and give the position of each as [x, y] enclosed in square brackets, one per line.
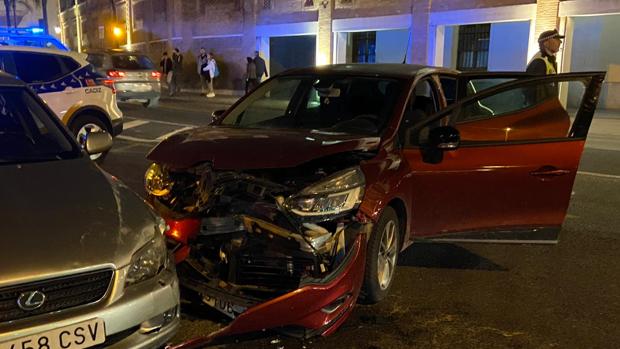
[78, 336]
[134, 87]
[226, 307]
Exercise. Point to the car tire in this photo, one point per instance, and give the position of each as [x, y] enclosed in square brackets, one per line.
[85, 123]
[381, 257]
[151, 103]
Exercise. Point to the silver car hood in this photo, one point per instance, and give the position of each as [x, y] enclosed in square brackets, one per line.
[67, 215]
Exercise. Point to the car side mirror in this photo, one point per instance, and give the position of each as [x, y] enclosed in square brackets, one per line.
[444, 138]
[216, 116]
[98, 142]
[439, 140]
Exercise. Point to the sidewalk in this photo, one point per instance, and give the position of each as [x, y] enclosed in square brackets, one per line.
[194, 96]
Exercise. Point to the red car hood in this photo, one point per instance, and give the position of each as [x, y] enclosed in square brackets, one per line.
[231, 148]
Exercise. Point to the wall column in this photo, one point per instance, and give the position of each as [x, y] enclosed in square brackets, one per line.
[418, 52]
[325, 37]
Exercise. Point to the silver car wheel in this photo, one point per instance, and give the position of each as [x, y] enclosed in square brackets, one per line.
[386, 261]
[83, 133]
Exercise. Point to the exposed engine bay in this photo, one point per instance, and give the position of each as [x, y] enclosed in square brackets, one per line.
[263, 233]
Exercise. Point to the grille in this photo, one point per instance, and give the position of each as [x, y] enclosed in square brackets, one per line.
[277, 273]
[61, 293]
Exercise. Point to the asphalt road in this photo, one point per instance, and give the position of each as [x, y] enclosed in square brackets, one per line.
[451, 295]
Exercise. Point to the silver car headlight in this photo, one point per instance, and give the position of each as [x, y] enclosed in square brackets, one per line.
[341, 192]
[149, 260]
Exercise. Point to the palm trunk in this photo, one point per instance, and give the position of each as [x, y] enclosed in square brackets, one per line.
[14, 4]
[7, 9]
[44, 9]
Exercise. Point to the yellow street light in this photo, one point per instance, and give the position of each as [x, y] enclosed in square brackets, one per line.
[117, 31]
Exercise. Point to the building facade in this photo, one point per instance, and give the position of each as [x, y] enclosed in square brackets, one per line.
[477, 35]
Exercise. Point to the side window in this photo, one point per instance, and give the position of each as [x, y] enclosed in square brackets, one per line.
[70, 65]
[422, 103]
[37, 67]
[523, 113]
[448, 85]
[7, 64]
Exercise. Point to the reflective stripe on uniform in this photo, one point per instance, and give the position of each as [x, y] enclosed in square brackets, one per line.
[550, 68]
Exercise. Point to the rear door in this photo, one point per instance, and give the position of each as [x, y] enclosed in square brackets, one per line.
[511, 178]
[51, 77]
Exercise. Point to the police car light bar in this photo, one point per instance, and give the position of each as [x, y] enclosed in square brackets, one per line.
[27, 30]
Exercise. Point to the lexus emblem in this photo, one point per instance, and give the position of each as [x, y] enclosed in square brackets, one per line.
[32, 300]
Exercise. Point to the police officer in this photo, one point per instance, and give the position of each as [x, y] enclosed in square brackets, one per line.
[544, 63]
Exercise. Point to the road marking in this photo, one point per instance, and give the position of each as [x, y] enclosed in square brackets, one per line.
[161, 122]
[161, 138]
[136, 139]
[594, 174]
[134, 123]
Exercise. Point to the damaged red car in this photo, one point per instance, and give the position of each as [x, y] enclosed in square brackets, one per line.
[297, 200]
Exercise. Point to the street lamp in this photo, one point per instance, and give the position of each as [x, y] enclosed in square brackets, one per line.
[117, 31]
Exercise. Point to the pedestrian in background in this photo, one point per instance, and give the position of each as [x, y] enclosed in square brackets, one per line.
[261, 68]
[544, 62]
[177, 68]
[212, 73]
[202, 61]
[251, 80]
[166, 68]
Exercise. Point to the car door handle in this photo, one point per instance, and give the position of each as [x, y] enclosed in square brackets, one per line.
[549, 171]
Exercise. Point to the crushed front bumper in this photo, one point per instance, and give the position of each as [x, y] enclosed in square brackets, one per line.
[318, 307]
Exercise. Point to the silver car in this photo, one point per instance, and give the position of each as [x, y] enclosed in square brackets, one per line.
[83, 260]
[133, 75]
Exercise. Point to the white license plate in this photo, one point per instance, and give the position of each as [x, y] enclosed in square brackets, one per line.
[226, 307]
[134, 87]
[78, 336]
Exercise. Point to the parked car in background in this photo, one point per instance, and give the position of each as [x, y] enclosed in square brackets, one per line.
[33, 37]
[298, 198]
[134, 75]
[83, 260]
[79, 96]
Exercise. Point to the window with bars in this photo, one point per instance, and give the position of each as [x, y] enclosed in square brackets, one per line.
[266, 4]
[364, 47]
[473, 47]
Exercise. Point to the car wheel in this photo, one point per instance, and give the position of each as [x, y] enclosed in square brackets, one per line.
[85, 124]
[151, 103]
[381, 257]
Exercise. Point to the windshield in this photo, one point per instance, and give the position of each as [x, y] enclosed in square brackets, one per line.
[354, 105]
[27, 132]
[132, 62]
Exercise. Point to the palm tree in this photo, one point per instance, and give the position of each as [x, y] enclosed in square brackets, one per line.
[7, 9]
[12, 5]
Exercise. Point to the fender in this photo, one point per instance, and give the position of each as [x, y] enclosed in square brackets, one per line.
[79, 108]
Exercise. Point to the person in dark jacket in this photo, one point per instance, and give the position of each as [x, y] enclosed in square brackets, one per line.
[250, 75]
[544, 62]
[202, 63]
[166, 67]
[261, 68]
[177, 68]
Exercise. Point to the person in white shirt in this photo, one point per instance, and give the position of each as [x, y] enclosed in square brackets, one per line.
[210, 68]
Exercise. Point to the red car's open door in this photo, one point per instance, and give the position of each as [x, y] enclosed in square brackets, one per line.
[499, 165]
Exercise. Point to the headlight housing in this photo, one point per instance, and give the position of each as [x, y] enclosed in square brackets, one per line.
[157, 181]
[338, 193]
[148, 261]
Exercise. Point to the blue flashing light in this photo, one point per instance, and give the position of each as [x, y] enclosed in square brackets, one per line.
[37, 30]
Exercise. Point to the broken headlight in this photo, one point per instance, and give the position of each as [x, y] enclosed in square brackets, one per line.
[157, 182]
[338, 193]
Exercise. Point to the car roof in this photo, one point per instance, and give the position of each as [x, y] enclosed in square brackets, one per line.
[381, 69]
[75, 55]
[36, 49]
[10, 80]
